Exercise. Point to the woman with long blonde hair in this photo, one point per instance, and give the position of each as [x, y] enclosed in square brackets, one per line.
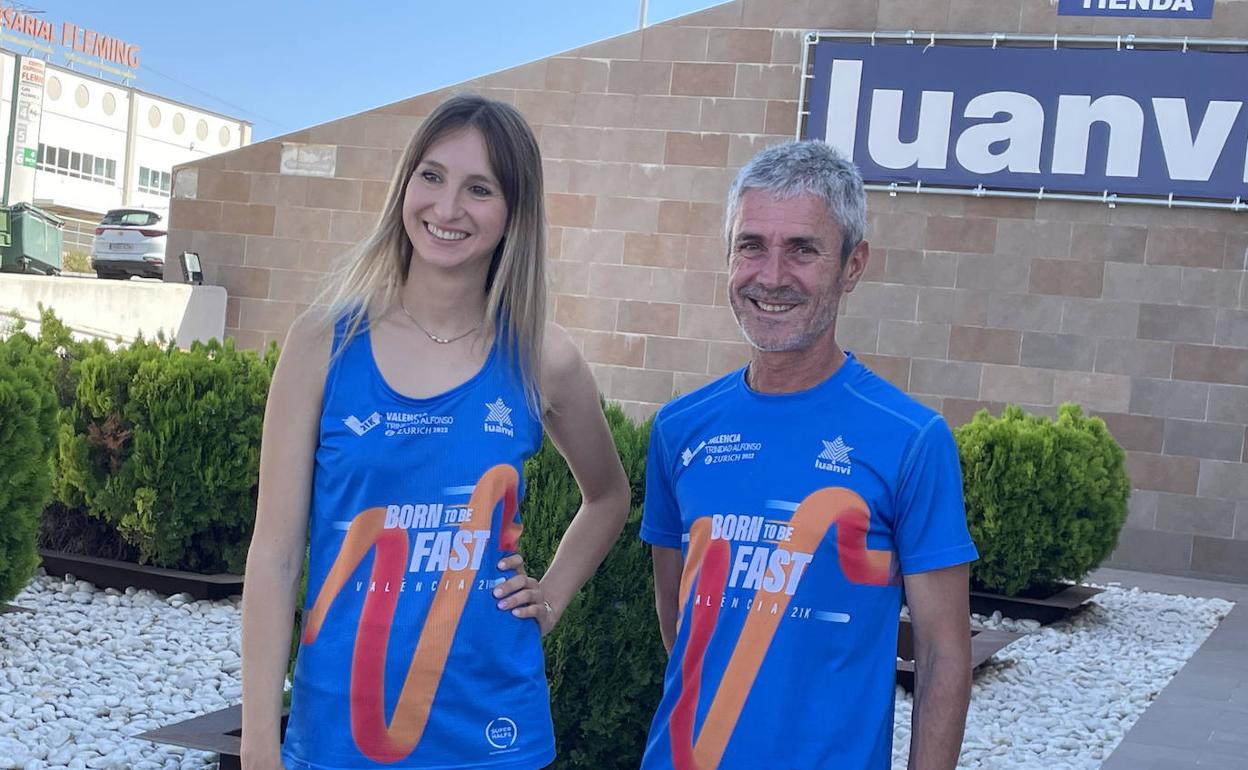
[399, 419]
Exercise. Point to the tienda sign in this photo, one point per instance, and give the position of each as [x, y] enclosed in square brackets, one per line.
[1080, 120]
[71, 37]
[1149, 9]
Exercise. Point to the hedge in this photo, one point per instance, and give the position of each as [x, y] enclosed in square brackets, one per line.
[605, 659]
[164, 446]
[1045, 499]
[27, 435]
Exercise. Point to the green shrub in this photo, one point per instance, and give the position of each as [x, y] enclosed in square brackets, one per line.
[27, 435]
[605, 659]
[66, 353]
[1045, 499]
[164, 445]
[76, 262]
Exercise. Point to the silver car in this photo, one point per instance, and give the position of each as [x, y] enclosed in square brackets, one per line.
[129, 242]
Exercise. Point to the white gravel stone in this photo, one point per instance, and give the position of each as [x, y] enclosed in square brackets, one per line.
[91, 669]
[79, 679]
[1063, 696]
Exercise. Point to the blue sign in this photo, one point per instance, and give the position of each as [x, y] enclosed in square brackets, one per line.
[1150, 9]
[1091, 120]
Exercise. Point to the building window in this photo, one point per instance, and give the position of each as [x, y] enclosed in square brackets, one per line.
[153, 116]
[110, 104]
[179, 123]
[82, 97]
[79, 165]
[154, 182]
[54, 88]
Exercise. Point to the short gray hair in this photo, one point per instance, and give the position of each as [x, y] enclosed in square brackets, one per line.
[810, 167]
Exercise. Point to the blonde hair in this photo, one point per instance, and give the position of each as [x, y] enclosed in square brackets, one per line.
[372, 275]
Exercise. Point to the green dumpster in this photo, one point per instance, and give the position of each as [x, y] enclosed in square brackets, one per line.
[34, 242]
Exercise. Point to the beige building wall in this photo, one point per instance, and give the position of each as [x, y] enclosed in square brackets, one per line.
[1138, 313]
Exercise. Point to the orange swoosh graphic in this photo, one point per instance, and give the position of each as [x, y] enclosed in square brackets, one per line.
[811, 521]
[379, 741]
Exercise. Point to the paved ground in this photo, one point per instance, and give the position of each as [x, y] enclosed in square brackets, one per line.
[1200, 721]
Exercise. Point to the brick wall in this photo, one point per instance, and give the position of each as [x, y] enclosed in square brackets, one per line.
[1140, 314]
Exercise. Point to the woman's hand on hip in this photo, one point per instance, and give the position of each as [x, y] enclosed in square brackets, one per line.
[523, 595]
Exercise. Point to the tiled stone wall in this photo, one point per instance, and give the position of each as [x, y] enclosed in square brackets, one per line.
[1140, 314]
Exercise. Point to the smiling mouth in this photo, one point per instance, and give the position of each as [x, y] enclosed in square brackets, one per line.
[770, 308]
[445, 235]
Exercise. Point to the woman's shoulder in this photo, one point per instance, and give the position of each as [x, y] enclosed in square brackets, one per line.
[563, 367]
[312, 329]
[560, 355]
[309, 342]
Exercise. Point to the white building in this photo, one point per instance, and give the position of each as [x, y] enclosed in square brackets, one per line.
[103, 145]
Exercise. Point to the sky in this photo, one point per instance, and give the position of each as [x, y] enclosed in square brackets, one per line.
[286, 65]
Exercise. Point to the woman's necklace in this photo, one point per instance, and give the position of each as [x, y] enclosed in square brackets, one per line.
[434, 337]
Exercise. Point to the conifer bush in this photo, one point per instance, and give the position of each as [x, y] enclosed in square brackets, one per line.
[1045, 499]
[605, 659]
[164, 445]
[27, 436]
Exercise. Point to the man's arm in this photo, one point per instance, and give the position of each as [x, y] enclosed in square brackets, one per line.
[668, 563]
[939, 603]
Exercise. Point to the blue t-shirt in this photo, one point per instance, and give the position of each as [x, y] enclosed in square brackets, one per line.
[797, 515]
[405, 660]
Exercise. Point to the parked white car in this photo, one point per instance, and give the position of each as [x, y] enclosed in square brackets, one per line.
[128, 242]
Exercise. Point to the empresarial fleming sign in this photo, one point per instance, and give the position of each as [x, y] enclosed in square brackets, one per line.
[1062, 119]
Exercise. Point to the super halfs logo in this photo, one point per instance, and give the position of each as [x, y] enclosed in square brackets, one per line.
[501, 734]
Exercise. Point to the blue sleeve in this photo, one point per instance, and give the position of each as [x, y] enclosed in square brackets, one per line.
[931, 528]
[660, 518]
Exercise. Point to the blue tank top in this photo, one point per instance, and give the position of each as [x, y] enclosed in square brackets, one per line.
[405, 661]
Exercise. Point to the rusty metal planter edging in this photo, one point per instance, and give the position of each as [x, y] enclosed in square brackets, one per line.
[110, 573]
[985, 642]
[220, 732]
[1060, 605]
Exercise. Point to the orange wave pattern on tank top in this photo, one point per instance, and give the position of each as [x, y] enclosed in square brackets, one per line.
[707, 563]
[390, 742]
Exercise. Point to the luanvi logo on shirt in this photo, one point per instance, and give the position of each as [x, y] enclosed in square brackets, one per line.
[360, 428]
[835, 456]
[498, 420]
[724, 448]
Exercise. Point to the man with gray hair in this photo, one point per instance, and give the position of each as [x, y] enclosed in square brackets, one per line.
[791, 502]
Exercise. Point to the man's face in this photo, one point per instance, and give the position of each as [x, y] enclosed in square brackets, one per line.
[785, 276]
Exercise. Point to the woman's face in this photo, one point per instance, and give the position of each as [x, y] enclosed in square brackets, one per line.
[453, 209]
